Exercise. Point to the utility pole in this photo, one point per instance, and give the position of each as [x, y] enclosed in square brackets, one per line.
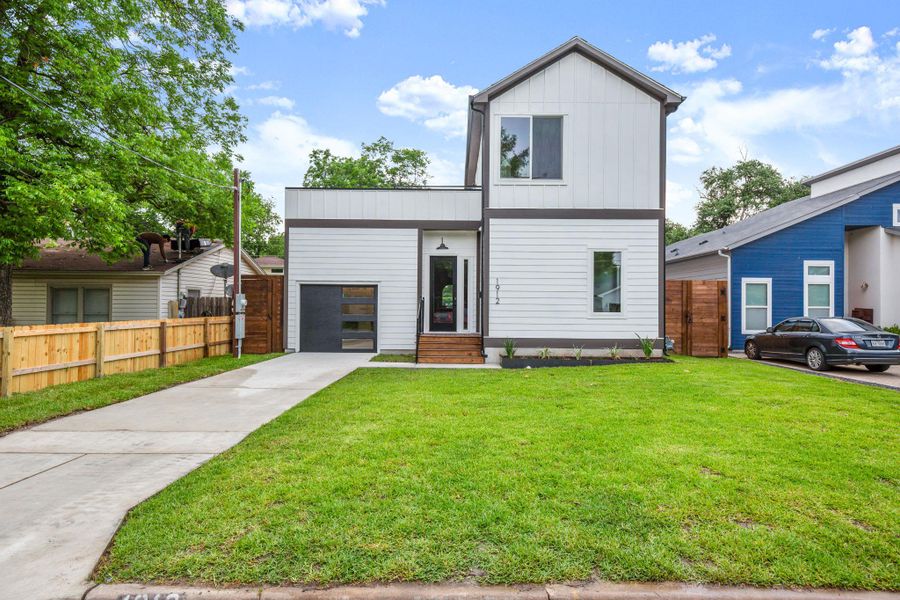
[237, 297]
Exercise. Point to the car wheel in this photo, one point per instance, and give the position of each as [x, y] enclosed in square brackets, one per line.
[815, 360]
[877, 368]
[751, 350]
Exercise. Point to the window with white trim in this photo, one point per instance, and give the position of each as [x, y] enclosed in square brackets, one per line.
[818, 288]
[78, 304]
[606, 291]
[756, 304]
[531, 147]
[897, 215]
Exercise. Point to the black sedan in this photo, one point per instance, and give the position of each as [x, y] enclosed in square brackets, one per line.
[822, 343]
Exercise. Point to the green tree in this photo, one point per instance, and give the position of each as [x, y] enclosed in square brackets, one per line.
[260, 224]
[675, 232]
[82, 83]
[380, 165]
[732, 194]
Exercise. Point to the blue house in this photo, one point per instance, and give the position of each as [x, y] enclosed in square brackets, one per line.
[835, 252]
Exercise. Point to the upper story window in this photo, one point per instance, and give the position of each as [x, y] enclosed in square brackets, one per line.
[531, 148]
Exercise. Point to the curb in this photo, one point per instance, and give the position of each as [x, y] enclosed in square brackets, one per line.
[411, 591]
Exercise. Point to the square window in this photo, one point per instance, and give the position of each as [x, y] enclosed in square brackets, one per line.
[607, 285]
[531, 147]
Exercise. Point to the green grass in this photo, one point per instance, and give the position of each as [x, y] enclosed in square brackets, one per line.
[394, 358]
[719, 471]
[31, 408]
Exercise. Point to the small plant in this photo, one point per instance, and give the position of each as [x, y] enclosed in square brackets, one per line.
[615, 353]
[576, 352]
[646, 345]
[893, 329]
[509, 347]
[544, 353]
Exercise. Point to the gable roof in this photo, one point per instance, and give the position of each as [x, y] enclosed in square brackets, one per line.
[772, 220]
[65, 256]
[854, 165]
[668, 97]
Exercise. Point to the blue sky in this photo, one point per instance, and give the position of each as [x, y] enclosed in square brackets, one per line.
[806, 86]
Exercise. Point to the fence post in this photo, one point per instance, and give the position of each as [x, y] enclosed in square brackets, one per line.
[100, 350]
[205, 337]
[163, 326]
[6, 358]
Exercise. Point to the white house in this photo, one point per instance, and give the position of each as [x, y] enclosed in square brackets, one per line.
[65, 284]
[555, 240]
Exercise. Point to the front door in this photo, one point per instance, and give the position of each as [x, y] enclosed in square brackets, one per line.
[443, 293]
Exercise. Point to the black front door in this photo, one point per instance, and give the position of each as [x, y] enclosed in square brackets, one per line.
[338, 318]
[443, 293]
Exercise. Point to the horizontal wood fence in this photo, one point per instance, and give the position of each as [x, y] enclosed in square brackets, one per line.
[37, 356]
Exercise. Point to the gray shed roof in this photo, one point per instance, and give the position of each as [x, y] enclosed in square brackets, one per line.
[772, 220]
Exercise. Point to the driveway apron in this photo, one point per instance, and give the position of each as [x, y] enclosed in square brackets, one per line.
[66, 485]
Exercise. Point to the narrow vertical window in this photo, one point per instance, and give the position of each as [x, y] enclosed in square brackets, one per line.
[466, 294]
[756, 300]
[607, 287]
[547, 148]
[818, 288]
[515, 147]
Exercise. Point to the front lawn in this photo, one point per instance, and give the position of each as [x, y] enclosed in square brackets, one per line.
[31, 408]
[719, 471]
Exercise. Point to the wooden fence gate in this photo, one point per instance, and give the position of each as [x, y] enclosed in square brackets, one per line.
[264, 323]
[697, 317]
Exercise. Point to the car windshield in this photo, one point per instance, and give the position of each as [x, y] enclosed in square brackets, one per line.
[846, 326]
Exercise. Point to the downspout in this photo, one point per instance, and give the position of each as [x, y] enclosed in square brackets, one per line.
[480, 234]
[727, 258]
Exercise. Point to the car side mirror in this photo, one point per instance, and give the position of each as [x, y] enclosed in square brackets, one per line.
[769, 329]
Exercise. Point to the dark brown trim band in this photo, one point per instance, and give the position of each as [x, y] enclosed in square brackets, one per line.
[383, 224]
[574, 213]
[587, 344]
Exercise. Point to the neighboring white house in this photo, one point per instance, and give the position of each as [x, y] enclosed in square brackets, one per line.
[271, 265]
[555, 240]
[65, 284]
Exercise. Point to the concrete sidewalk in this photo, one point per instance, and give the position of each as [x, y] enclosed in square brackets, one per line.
[66, 485]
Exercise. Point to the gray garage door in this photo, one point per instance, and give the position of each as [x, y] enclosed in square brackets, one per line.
[338, 318]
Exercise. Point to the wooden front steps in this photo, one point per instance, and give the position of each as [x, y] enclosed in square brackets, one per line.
[439, 348]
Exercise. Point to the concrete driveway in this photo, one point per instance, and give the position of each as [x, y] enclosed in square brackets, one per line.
[66, 485]
[889, 379]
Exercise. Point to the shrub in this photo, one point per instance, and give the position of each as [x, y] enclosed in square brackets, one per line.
[544, 353]
[509, 347]
[893, 329]
[646, 345]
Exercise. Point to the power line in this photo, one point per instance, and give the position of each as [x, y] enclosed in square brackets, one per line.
[109, 139]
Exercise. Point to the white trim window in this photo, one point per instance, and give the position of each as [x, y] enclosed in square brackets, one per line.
[606, 267]
[818, 288]
[896, 214]
[531, 148]
[756, 304]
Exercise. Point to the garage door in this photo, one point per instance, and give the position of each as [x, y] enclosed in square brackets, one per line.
[338, 318]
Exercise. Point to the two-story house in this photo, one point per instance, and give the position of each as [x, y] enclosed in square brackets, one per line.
[555, 240]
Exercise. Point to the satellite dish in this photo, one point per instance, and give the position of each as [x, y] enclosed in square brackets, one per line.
[223, 270]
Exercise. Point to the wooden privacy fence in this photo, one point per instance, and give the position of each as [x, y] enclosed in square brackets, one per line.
[38, 356]
[697, 317]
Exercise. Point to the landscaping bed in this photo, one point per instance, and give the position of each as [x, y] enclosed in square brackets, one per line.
[31, 408]
[720, 471]
[535, 362]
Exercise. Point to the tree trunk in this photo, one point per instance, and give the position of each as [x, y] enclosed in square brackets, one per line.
[6, 295]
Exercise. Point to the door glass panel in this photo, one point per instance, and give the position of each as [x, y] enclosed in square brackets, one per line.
[515, 147]
[96, 305]
[358, 344]
[358, 326]
[607, 282]
[64, 305]
[757, 319]
[358, 309]
[443, 293]
[358, 292]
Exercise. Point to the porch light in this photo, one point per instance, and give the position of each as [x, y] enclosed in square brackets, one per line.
[443, 246]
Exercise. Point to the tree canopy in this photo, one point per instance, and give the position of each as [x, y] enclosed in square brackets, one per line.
[100, 104]
[379, 165]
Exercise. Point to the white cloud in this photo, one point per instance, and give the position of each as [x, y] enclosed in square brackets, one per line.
[685, 150]
[693, 56]
[856, 53]
[265, 85]
[277, 152]
[820, 34]
[893, 32]
[235, 70]
[279, 101]
[345, 15]
[679, 195]
[445, 172]
[431, 101]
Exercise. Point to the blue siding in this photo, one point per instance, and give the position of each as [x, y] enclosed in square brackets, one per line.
[781, 255]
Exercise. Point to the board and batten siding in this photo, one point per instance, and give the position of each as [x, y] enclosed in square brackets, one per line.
[383, 257]
[132, 298]
[611, 139]
[544, 271]
[197, 276]
[416, 205]
[710, 267]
